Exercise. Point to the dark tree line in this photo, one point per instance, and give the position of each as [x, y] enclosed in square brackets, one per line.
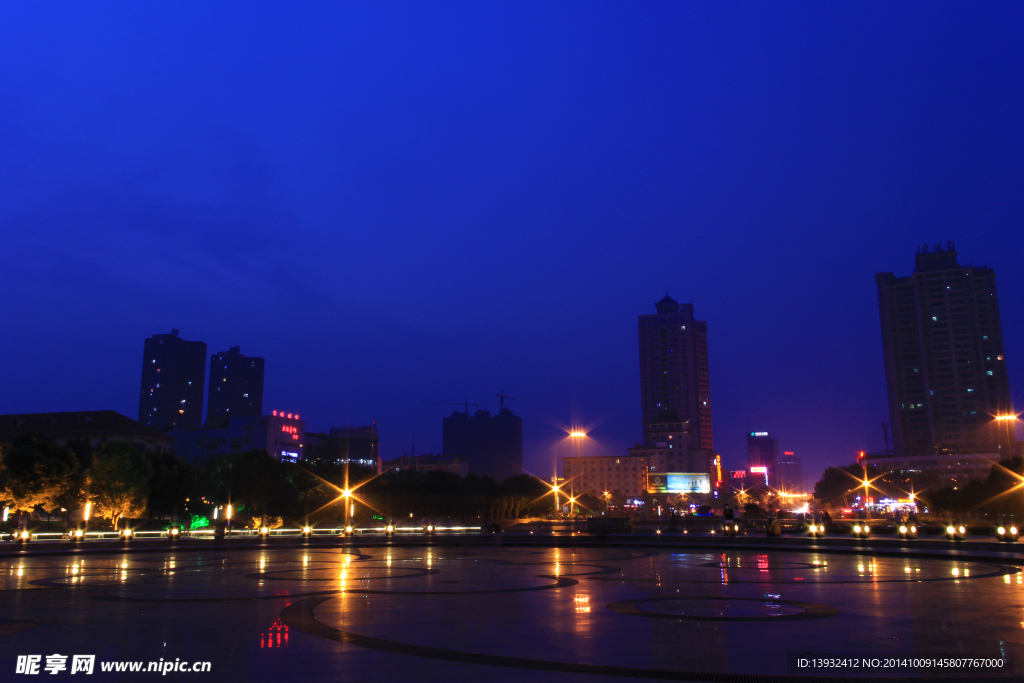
[1001, 493]
[120, 481]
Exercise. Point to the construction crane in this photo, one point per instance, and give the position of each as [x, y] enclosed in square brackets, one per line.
[447, 403]
[502, 397]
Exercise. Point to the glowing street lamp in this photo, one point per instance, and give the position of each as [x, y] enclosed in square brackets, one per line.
[1007, 419]
[576, 435]
[555, 490]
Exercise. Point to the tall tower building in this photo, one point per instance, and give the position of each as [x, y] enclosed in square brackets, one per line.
[944, 365]
[790, 473]
[236, 385]
[674, 370]
[173, 377]
[763, 451]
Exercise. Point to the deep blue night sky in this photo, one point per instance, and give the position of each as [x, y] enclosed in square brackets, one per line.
[394, 203]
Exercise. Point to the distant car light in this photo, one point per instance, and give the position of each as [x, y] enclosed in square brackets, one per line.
[78, 533]
[856, 529]
[264, 531]
[903, 529]
[950, 530]
[962, 530]
[1001, 531]
[306, 530]
[1013, 529]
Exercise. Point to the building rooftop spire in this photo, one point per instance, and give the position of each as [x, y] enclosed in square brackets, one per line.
[667, 305]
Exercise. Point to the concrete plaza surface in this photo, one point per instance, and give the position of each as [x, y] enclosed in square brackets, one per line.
[498, 611]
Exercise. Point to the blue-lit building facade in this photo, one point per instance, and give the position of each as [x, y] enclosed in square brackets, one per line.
[281, 434]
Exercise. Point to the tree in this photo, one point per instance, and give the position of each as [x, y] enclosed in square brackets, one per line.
[258, 484]
[524, 493]
[172, 482]
[835, 484]
[118, 481]
[35, 472]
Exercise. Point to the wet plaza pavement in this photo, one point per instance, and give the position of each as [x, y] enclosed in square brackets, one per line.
[501, 613]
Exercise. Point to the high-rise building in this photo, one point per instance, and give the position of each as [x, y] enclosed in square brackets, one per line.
[763, 451]
[674, 369]
[173, 378]
[790, 473]
[667, 445]
[492, 445]
[236, 385]
[944, 365]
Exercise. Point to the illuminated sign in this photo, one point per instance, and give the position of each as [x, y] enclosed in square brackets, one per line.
[737, 474]
[718, 470]
[789, 453]
[288, 429]
[288, 456]
[762, 471]
[281, 413]
[759, 433]
[679, 482]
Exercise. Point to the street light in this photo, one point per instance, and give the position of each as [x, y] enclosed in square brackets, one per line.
[1007, 419]
[576, 435]
[346, 494]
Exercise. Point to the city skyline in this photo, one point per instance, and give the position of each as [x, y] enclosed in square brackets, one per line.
[499, 225]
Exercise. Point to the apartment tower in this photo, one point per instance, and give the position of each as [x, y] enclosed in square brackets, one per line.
[945, 368]
[674, 371]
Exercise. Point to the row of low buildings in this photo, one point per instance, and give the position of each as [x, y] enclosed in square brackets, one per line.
[280, 434]
[171, 401]
[174, 380]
